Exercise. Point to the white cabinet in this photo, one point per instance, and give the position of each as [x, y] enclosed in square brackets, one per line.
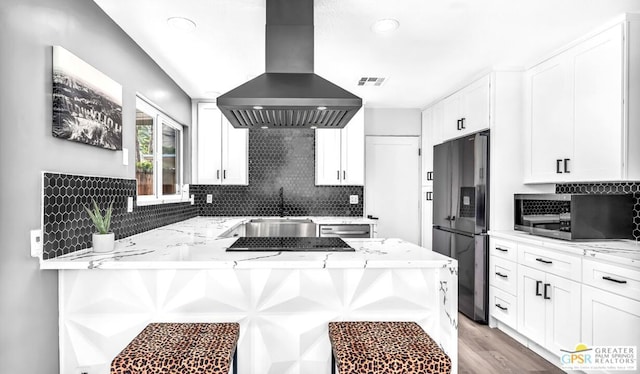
[222, 156]
[548, 307]
[503, 281]
[467, 111]
[610, 304]
[427, 143]
[609, 319]
[426, 239]
[340, 154]
[576, 104]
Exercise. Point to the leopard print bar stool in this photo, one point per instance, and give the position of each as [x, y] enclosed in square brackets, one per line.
[385, 348]
[180, 348]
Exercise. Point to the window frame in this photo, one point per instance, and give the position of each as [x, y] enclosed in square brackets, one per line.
[160, 119]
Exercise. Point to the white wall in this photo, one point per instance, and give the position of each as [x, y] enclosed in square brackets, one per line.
[383, 121]
[28, 29]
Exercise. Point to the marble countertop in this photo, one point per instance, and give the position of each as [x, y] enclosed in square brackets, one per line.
[197, 243]
[624, 252]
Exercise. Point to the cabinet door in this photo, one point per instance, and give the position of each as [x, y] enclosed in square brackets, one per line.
[609, 319]
[563, 313]
[438, 123]
[234, 154]
[353, 151]
[597, 65]
[328, 165]
[209, 144]
[451, 107]
[531, 304]
[427, 147]
[475, 106]
[551, 121]
[427, 217]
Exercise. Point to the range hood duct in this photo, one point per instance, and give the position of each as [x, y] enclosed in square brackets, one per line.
[289, 94]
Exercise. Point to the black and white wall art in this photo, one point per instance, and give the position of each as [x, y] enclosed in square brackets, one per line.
[87, 105]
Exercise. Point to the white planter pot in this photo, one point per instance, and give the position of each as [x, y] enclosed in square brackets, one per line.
[103, 242]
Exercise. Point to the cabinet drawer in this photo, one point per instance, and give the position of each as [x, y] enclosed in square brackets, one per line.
[563, 265]
[504, 249]
[502, 274]
[616, 279]
[503, 307]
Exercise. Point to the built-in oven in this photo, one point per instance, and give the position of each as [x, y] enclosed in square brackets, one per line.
[575, 216]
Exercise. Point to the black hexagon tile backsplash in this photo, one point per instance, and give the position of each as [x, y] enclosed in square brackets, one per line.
[66, 225]
[609, 188]
[280, 158]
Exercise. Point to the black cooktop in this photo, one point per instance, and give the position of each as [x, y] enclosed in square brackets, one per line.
[277, 244]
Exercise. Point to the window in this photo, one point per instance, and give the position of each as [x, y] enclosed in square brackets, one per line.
[158, 155]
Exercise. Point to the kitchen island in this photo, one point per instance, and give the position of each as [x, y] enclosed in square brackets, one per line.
[282, 300]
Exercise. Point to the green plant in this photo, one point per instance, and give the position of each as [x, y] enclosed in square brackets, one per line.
[144, 166]
[100, 221]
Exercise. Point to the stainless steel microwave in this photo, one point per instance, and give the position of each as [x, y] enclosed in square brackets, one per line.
[575, 216]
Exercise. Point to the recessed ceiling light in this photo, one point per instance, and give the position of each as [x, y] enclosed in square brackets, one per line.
[182, 24]
[264, 127]
[258, 107]
[322, 108]
[383, 26]
[313, 127]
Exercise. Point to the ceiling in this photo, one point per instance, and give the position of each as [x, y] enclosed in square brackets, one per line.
[440, 44]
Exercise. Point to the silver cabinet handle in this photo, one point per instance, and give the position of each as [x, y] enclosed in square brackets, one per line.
[338, 175]
[344, 175]
[218, 174]
[346, 232]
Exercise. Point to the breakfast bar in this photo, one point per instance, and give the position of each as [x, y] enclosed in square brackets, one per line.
[283, 300]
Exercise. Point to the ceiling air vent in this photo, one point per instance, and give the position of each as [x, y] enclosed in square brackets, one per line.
[371, 81]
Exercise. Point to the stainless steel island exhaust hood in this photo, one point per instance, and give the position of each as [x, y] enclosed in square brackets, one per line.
[289, 94]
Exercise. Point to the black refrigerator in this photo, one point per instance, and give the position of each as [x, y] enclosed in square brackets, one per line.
[461, 217]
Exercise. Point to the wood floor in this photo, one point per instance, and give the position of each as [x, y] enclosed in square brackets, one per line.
[482, 349]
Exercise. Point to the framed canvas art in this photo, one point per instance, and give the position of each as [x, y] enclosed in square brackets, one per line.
[87, 105]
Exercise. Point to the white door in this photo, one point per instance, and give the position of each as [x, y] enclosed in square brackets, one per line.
[451, 115]
[393, 185]
[235, 149]
[328, 147]
[209, 144]
[427, 147]
[551, 119]
[353, 151]
[531, 303]
[598, 108]
[609, 319]
[563, 311]
[475, 106]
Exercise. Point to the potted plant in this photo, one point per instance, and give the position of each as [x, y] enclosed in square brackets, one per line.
[103, 240]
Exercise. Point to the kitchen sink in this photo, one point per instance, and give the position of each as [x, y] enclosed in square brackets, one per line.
[275, 227]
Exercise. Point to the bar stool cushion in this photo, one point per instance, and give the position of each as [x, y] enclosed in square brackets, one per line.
[179, 348]
[386, 348]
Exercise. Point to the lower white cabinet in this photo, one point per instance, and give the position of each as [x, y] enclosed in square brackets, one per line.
[609, 319]
[548, 309]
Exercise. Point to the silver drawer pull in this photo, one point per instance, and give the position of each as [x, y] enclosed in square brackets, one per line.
[347, 232]
[544, 261]
[614, 280]
[501, 307]
[502, 275]
[502, 249]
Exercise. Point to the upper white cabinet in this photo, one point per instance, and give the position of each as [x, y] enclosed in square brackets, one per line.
[340, 154]
[427, 142]
[467, 111]
[580, 126]
[222, 149]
